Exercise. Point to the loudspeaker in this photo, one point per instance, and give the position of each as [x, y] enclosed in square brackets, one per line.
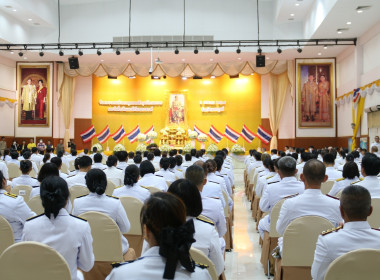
[74, 63]
[260, 60]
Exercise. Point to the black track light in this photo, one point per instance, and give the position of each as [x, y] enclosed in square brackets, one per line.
[299, 50]
[80, 52]
[137, 52]
[279, 50]
[118, 52]
[196, 51]
[20, 54]
[216, 51]
[98, 52]
[61, 53]
[259, 50]
[41, 53]
[176, 51]
[238, 50]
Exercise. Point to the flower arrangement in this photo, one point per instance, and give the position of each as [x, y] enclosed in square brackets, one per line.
[152, 146]
[141, 137]
[237, 150]
[193, 135]
[141, 148]
[98, 146]
[152, 135]
[188, 147]
[202, 137]
[212, 149]
[180, 130]
[118, 148]
[165, 148]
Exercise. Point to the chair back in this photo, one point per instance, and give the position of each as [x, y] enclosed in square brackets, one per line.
[71, 165]
[13, 171]
[300, 240]
[76, 191]
[374, 219]
[23, 191]
[33, 261]
[339, 194]
[6, 234]
[132, 207]
[64, 169]
[153, 190]
[110, 187]
[106, 235]
[355, 265]
[226, 207]
[199, 257]
[327, 186]
[274, 217]
[35, 204]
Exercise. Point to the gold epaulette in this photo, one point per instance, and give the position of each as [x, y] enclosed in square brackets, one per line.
[331, 230]
[112, 196]
[31, 218]
[78, 218]
[145, 187]
[204, 219]
[290, 196]
[269, 177]
[353, 183]
[340, 179]
[10, 195]
[201, 265]
[118, 187]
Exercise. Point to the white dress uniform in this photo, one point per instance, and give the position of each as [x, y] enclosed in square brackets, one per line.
[212, 208]
[4, 169]
[263, 181]
[333, 173]
[207, 240]
[150, 180]
[185, 165]
[353, 236]
[272, 194]
[77, 179]
[99, 165]
[226, 181]
[122, 165]
[375, 144]
[213, 190]
[300, 168]
[168, 175]
[36, 158]
[68, 235]
[14, 209]
[253, 165]
[24, 180]
[135, 191]
[115, 175]
[152, 266]
[178, 174]
[341, 183]
[15, 161]
[108, 205]
[372, 184]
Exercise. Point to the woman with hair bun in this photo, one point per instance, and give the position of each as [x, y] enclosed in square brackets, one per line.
[165, 172]
[48, 169]
[25, 167]
[113, 173]
[130, 188]
[169, 236]
[97, 200]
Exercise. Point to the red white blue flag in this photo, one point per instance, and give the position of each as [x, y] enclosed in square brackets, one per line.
[215, 135]
[132, 136]
[247, 134]
[119, 134]
[104, 135]
[356, 95]
[231, 134]
[146, 133]
[88, 134]
[197, 130]
[264, 135]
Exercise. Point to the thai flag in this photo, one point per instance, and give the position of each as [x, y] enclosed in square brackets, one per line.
[215, 135]
[197, 130]
[247, 134]
[264, 135]
[119, 134]
[132, 136]
[356, 95]
[104, 135]
[231, 134]
[88, 134]
[146, 133]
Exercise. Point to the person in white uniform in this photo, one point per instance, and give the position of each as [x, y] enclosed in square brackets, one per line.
[331, 172]
[98, 162]
[148, 178]
[164, 171]
[188, 162]
[27, 156]
[130, 188]
[211, 189]
[122, 157]
[355, 207]
[277, 191]
[25, 179]
[350, 174]
[114, 174]
[169, 236]
[263, 181]
[68, 235]
[97, 200]
[48, 169]
[4, 169]
[207, 239]
[14, 159]
[14, 209]
[172, 168]
[376, 143]
[370, 170]
[79, 178]
[58, 162]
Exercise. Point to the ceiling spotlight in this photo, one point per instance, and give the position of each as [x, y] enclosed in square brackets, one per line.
[216, 51]
[176, 51]
[259, 50]
[137, 52]
[41, 53]
[61, 53]
[196, 51]
[80, 52]
[117, 52]
[299, 50]
[98, 52]
[279, 50]
[20, 54]
[238, 50]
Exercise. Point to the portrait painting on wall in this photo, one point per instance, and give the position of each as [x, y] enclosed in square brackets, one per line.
[315, 92]
[176, 109]
[34, 93]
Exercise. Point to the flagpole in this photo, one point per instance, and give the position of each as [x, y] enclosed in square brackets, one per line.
[227, 145]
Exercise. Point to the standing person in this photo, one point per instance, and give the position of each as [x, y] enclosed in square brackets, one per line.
[163, 218]
[3, 145]
[41, 145]
[41, 100]
[60, 146]
[309, 98]
[68, 235]
[376, 143]
[28, 99]
[324, 98]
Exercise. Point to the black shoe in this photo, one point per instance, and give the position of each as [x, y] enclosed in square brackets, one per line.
[312, 118]
[307, 118]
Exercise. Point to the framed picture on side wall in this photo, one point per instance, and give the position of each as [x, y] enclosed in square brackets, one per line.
[34, 86]
[315, 80]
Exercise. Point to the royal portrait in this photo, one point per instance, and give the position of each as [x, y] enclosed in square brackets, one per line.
[176, 109]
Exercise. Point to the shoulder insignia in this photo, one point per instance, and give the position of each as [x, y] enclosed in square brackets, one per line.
[219, 176]
[159, 175]
[78, 218]
[31, 218]
[228, 167]
[333, 197]
[71, 176]
[273, 182]
[118, 187]
[112, 196]
[204, 219]
[201, 265]
[361, 179]
[179, 170]
[171, 171]
[119, 168]
[81, 196]
[353, 183]
[331, 230]
[292, 195]
[10, 195]
[145, 187]
[261, 171]
[213, 182]
[271, 176]
[117, 264]
[340, 179]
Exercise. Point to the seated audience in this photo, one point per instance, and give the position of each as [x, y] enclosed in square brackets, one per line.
[164, 171]
[331, 172]
[114, 174]
[148, 178]
[350, 175]
[370, 170]
[79, 178]
[25, 179]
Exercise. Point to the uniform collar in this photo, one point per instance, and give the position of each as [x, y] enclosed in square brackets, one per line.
[151, 252]
[313, 191]
[2, 191]
[368, 178]
[330, 168]
[95, 194]
[147, 175]
[356, 225]
[289, 179]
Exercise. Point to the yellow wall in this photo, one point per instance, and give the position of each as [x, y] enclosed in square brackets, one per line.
[242, 96]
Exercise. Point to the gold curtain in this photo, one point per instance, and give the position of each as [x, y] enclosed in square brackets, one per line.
[278, 90]
[359, 114]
